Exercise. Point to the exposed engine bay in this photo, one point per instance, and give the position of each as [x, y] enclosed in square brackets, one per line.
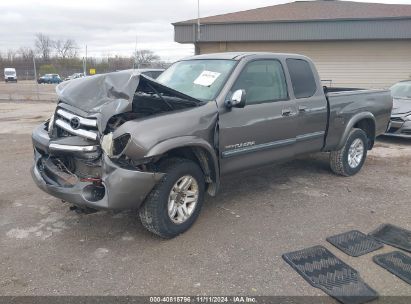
[149, 99]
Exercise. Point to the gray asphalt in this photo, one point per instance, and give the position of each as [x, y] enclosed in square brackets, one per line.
[234, 248]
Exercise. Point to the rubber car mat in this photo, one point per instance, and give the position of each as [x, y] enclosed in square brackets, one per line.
[323, 270]
[394, 236]
[397, 263]
[354, 243]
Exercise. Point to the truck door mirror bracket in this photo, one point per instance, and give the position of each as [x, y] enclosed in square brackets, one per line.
[237, 99]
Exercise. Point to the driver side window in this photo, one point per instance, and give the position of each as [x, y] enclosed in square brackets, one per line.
[263, 81]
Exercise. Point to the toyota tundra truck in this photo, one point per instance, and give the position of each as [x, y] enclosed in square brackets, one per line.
[126, 141]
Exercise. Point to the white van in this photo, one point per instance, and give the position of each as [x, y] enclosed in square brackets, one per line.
[10, 74]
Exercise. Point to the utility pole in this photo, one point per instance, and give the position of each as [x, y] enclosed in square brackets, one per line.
[135, 55]
[197, 35]
[35, 76]
[85, 63]
[198, 20]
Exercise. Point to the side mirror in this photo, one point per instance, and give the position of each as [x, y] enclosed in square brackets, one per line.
[237, 100]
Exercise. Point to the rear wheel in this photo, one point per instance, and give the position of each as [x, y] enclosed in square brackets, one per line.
[351, 157]
[175, 202]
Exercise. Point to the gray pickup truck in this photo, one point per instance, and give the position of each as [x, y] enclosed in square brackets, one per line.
[126, 141]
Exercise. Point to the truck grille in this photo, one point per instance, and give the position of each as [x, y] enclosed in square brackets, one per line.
[69, 124]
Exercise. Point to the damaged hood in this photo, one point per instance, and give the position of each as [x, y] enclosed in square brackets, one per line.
[92, 92]
[111, 91]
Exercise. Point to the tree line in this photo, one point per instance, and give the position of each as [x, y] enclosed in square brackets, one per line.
[61, 56]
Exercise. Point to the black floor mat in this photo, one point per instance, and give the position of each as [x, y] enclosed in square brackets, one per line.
[354, 243]
[394, 236]
[397, 263]
[323, 270]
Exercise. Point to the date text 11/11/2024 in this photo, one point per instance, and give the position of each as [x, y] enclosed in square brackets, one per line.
[203, 299]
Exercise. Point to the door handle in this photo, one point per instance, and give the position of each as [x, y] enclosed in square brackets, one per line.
[287, 112]
[302, 109]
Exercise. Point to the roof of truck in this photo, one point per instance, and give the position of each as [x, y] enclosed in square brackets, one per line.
[240, 55]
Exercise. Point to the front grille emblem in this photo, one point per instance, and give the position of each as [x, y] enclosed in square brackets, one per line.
[75, 123]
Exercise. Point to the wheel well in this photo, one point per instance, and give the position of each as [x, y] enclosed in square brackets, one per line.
[203, 158]
[368, 126]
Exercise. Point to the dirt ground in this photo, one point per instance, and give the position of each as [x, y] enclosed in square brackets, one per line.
[234, 248]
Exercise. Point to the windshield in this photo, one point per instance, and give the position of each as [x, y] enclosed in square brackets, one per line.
[201, 79]
[9, 73]
[401, 90]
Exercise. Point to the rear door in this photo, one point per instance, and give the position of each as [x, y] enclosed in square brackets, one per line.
[311, 106]
[263, 131]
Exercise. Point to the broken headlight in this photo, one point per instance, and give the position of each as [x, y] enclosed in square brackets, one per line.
[114, 147]
[120, 143]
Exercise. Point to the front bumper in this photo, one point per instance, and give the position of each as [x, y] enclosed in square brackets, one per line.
[399, 127]
[119, 188]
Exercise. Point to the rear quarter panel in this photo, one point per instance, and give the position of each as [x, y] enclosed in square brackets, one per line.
[347, 108]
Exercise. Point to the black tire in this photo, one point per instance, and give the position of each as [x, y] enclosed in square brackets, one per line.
[154, 212]
[339, 159]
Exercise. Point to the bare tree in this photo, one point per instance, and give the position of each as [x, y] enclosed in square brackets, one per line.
[65, 48]
[43, 44]
[26, 53]
[11, 55]
[145, 58]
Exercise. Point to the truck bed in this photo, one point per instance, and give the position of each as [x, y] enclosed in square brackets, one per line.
[343, 103]
[340, 89]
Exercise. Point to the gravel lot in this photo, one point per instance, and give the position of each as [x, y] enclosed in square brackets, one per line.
[27, 90]
[234, 248]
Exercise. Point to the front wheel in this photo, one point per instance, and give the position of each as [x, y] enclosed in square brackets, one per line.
[175, 202]
[350, 158]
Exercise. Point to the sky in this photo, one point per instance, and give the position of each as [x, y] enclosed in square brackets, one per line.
[111, 27]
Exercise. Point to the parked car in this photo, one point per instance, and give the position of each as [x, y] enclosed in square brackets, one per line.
[49, 78]
[400, 124]
[10, 75]
[126, 141]
[74, 76]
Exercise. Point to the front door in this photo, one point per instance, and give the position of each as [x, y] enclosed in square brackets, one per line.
[264, 130]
